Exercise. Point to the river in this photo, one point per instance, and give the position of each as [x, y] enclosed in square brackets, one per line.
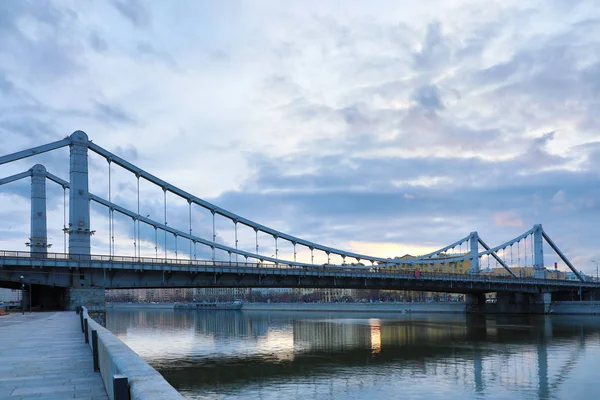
[311, 355]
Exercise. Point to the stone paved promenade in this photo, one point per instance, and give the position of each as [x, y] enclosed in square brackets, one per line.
[43, 356]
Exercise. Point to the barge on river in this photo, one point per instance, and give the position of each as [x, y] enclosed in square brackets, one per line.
[217, 306]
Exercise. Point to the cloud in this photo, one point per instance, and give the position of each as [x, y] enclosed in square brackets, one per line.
[428, 97]
[134, 11]
[111, 113]
[507, 218]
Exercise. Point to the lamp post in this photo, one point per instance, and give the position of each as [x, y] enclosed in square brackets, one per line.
[596, 269]
[22, 295]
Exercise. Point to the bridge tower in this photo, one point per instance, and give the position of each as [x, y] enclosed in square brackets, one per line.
[81, 291]
[38, 242]
[474, 241]
[538, 252]
[79, 196]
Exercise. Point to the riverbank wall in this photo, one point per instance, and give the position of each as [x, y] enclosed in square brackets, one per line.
[359, 307]
[399, 307]
[115, 359]
[575, 307]
[556, 307]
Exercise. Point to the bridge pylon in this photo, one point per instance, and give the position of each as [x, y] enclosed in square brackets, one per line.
[538, 252]
[474, 241]
[79, 196]
[38, 241]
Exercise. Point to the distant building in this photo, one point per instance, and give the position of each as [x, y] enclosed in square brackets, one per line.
[445, 265]
[9, 295]
[327, 295]
[526, 272]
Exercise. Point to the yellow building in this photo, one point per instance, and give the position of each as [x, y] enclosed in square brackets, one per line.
[445, 265]
[528, 272]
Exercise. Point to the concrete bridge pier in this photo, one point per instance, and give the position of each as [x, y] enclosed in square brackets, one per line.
[510, 303]
[57, 298]
[92, 298]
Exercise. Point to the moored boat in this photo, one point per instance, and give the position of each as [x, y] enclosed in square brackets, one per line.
[235, 305]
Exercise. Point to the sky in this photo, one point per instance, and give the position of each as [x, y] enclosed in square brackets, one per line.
[381, 127]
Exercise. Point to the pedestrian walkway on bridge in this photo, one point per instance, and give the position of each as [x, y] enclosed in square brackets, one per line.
[43, 356]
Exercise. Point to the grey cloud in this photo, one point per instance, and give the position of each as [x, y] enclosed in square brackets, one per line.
[428, 97]
[147, 51]
[128, 152]
[44, 57]
[97, 42]
[434, 48]
[6, 86]
[112, 113]
[134, 11]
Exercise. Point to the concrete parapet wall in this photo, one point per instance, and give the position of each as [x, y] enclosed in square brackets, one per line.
[576, 307]
[434, 307]
[116, 358]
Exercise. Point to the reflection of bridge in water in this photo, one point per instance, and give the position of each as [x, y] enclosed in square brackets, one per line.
[476, 352]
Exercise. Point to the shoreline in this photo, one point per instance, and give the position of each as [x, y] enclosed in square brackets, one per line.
[399, 307]
[558, 308]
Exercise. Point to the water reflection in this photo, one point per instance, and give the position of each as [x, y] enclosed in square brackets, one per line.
[232, 354]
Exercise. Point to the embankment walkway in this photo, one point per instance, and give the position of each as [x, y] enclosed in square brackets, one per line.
[43, 356]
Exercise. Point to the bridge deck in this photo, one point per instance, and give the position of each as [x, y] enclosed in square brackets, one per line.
[43, 356]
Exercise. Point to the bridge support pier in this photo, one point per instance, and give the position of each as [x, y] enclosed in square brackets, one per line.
[510, 303]
[92, 298]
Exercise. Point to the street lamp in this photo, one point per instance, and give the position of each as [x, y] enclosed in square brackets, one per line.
[596, 268]
[22, 295]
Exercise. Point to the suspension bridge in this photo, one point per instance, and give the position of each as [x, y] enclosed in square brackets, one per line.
[76, 276]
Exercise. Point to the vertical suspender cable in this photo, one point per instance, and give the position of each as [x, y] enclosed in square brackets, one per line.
[236, 240]
[190, 215]
[532, 251]
[139, 250]
[294, 251]
[256, 236]
[110, 214]
[156, 242]
[65, 219]
[134, 237]
[525, 250]
[214, 236]
[165, 202]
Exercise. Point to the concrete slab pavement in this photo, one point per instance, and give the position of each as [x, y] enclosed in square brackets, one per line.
[43, 356]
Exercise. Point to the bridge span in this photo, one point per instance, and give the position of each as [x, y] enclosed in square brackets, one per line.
[63, 271]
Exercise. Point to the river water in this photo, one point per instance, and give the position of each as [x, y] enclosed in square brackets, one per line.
[302, 355]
